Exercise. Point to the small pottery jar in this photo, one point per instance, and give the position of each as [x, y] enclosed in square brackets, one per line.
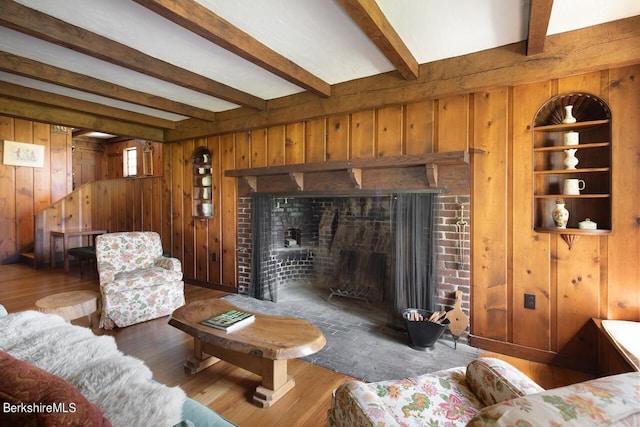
[587, 224]
[568, 114]
[560, 215]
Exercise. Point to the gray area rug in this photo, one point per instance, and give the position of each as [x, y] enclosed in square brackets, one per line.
[358, 342]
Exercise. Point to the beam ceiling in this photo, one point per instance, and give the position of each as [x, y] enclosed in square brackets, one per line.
[204, 22]
[170, 69]
[45, 27]
[368, 16]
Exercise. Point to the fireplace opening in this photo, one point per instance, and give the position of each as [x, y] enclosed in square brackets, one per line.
[393, 251]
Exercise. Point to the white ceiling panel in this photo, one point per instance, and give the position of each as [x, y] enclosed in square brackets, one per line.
[130, 24]
[435, 29]
[48, 53]
[318, 35]
[76, 94]
[568, 15]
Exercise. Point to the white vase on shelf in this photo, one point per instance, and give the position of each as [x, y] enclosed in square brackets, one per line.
[568, 114]
[570, 160]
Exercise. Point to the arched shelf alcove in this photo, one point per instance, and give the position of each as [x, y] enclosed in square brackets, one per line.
[568, 152]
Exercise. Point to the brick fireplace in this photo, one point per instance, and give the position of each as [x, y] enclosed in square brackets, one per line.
[323, 240]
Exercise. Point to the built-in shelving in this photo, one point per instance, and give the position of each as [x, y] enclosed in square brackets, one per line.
[202, 195]
[593, 152]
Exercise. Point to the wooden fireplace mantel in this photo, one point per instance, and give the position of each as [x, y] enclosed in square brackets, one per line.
[445, 171]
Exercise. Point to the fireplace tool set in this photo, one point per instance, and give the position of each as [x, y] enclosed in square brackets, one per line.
[461, 228]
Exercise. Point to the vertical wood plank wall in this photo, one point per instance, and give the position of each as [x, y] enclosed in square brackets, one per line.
[598, 277]
[25, 190]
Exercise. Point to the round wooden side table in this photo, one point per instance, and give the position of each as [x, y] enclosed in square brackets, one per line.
[70, 305]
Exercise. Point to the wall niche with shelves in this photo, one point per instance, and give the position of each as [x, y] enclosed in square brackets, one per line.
[578, 149]
[202, 183]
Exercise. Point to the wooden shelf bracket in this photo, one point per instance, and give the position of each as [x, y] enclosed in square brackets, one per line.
[298, 180]
[431, 170]
[570, 239]
[252, 181]
[356, 177]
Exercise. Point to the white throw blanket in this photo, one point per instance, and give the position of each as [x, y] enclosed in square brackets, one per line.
[119, 385]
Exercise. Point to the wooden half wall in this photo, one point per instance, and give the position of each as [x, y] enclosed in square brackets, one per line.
[133, 204]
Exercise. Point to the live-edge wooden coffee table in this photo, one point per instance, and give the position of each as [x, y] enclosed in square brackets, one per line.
[262, 347]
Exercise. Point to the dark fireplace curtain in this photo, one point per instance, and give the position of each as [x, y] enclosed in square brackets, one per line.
[413, 223]
[261, 206]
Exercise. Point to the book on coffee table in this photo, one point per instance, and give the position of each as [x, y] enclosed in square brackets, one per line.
[230, 320]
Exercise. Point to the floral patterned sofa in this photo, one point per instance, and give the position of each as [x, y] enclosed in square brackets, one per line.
[136, 282]
[488, 392]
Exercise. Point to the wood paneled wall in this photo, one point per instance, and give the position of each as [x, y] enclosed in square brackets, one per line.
[598, 277]
[25, 190]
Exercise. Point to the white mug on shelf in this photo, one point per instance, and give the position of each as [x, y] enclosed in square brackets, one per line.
[571, 138]
[201, 171]
[573, 186]
[207, 209]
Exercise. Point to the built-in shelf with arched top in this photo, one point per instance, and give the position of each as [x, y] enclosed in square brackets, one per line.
[202, 183]
[572, 150]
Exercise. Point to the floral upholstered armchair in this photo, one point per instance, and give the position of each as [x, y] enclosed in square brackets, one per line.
[136, 282]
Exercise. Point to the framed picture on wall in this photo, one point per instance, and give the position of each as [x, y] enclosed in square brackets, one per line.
[21, 154]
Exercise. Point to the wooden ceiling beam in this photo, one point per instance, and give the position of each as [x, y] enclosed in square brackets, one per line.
[539, 15]
[37, 70]
[53, 30]
[61, 116]
[368, 16]
[24, 93]
[202, 21]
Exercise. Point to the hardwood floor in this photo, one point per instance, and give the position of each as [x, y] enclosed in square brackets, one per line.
[223, 387]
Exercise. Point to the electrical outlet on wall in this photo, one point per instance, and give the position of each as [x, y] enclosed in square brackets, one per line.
[530, 301]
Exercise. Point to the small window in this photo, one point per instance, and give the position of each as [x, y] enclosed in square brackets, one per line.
[130, 162]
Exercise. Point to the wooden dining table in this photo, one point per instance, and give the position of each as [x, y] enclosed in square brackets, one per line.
[262, 347]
